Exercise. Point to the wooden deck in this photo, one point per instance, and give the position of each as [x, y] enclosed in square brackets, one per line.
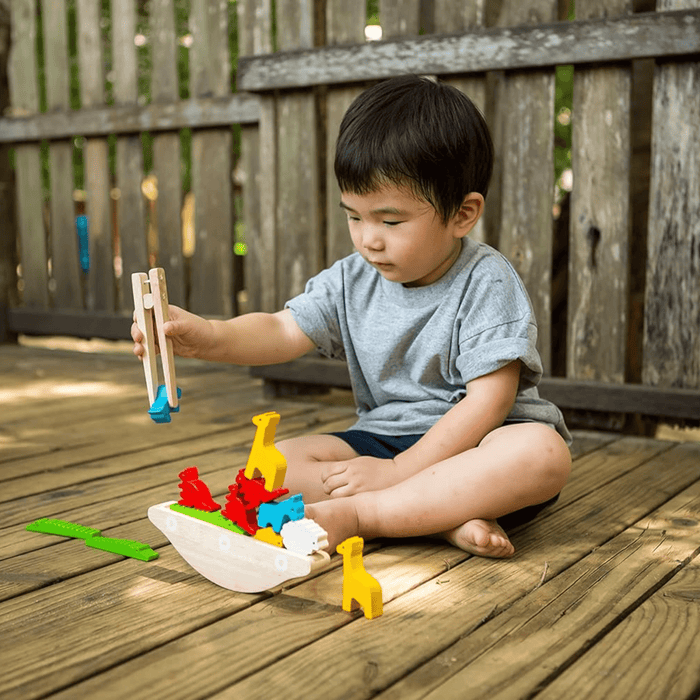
[602, 599]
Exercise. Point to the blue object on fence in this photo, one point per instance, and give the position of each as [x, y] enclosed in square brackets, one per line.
[81, 225]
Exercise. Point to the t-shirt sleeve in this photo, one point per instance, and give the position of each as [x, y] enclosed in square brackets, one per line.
[316, 311]
[498, 325]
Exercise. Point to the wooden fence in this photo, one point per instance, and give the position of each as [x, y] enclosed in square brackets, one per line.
[615, 280]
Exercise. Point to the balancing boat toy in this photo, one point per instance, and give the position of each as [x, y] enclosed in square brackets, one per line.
[228, 558]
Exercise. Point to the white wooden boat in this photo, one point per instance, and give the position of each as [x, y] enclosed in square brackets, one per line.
[238, 562]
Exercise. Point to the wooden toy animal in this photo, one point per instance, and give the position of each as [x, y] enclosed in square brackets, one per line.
[358, 585]
[264, 456]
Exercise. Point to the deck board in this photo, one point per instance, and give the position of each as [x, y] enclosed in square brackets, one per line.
[600, 601]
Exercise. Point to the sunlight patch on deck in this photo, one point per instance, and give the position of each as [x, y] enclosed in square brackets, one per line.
[62, 389]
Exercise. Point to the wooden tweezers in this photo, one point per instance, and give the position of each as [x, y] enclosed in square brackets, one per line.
[151, 304]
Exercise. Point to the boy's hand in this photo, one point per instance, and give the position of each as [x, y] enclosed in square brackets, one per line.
[190, 334]
[359, 474]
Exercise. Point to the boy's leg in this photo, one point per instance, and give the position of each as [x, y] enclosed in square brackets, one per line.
[513, 467]
[306, 457]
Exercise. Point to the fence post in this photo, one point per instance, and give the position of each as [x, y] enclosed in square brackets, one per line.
[129, 165]
[8, 232]
[210, 71]
[101, 286]
[449, 17]
[600, 214]
[299, 205]
[345, 24]
[166, 150]
[525, 147]
[672, 311]
[257, 165]
[24, 98]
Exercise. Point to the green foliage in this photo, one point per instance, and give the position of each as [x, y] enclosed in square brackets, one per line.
[563, 102]
[563, 107]
[372, 11]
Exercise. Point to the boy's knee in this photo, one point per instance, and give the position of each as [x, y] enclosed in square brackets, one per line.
[555, 454]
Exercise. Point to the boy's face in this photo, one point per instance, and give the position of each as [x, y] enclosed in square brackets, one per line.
[401, 236]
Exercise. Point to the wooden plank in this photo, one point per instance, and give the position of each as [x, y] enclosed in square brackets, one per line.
[65, 262]
[298, 206]
[202, 112]
[345, 24]
[525, 115]
[212, 263]
[166, 151]
[539, 636]
[131, 224]
[566, 393]
[654, 653]
[672, 310]
[255, 37]
[460, 17]
[644, 35]
[24, 96]
[399, 18]
[600, 215]
[101, 282]
[94, 324]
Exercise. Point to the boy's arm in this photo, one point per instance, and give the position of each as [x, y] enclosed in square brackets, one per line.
[488, 401]
[257, 339]
[484, 408]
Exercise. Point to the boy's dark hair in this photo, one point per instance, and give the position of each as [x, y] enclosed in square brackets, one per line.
[411, 131]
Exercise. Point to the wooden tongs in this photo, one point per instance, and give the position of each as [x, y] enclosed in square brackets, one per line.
[151, 304]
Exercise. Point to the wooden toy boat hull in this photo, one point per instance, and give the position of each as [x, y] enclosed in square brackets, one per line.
[238, 562]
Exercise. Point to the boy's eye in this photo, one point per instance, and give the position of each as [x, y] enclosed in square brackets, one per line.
[392, 223]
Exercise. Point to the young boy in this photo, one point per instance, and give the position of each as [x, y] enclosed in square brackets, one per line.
[437, 330]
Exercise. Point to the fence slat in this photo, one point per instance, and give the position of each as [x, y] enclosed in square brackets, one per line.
[202, 113]
[212, 263]
[166, 150]
[600, 215]
[255, 37]
[25, 98]
[672, 311]
[129, 165]
[525, 140]
[345, 24]
[639, 36]
[65, 263]
[399, 18]
[299, 253]
[100, 295]
[456, 17]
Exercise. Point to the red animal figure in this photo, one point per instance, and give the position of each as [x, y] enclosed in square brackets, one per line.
[253, 491]
[238, 512]
[194, 493]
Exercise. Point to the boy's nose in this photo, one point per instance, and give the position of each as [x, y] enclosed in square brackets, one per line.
[371, 239]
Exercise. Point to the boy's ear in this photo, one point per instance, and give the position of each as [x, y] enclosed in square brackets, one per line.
[469, 213]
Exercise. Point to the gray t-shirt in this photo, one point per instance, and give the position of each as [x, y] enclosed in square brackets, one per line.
[411, 351]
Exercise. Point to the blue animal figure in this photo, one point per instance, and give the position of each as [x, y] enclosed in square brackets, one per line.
[160, 410]
[275, 514]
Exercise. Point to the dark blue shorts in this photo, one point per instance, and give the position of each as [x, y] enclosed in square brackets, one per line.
[388, 446]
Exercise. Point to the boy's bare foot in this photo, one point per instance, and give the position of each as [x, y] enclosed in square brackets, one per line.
[485, 538]
[338, 517]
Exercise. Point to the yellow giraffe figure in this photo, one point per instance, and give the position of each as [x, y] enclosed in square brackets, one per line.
[358, 585]
[264, 456]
